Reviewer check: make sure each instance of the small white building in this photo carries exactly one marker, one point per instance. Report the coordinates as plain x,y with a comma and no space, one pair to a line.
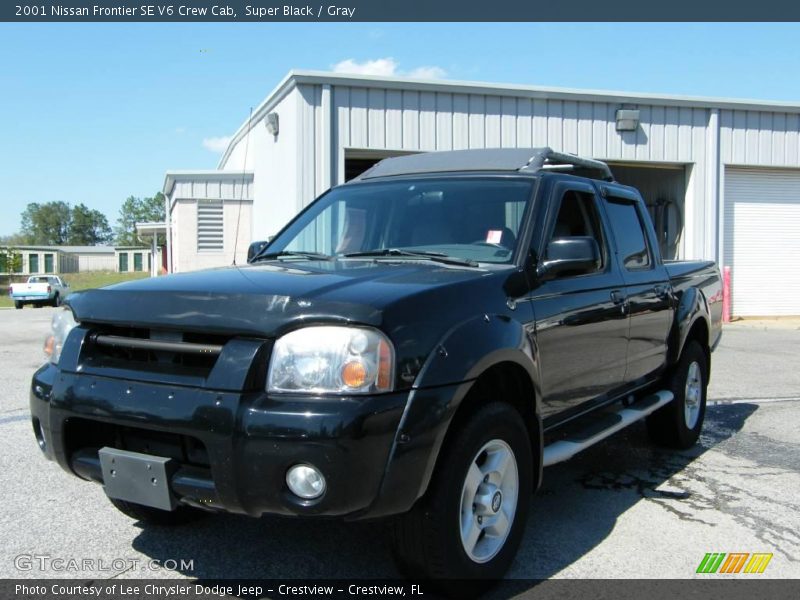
210,216
38,260
721,176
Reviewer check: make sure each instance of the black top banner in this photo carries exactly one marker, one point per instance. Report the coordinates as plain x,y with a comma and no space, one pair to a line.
401,10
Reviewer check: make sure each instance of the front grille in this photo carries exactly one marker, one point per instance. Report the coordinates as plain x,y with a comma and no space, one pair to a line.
81,434
187,353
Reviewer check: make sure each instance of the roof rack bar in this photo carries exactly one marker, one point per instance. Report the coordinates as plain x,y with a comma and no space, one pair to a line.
521,160
549,157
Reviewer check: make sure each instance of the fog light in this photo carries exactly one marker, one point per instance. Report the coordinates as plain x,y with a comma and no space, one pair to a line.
305,481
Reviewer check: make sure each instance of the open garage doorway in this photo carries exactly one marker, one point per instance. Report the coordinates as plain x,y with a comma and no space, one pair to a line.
663,188
357,161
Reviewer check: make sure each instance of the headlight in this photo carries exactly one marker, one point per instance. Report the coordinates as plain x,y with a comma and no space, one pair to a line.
63,322
332,359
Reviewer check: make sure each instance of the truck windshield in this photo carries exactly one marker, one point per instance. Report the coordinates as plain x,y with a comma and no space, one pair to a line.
471,219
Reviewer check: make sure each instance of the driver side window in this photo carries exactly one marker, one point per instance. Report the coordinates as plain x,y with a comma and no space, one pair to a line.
577,217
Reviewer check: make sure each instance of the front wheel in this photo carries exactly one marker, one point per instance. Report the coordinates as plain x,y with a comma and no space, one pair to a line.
678,424
470,522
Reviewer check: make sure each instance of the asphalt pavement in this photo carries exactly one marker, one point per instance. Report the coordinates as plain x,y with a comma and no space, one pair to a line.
622,509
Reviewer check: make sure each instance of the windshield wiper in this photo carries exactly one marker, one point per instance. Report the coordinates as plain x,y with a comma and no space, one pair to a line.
439,257
291,254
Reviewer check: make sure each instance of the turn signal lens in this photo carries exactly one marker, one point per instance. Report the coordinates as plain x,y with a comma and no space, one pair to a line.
384,366
49,344
63,322
354,374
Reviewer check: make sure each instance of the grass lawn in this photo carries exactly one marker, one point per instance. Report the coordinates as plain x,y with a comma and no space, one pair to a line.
86,281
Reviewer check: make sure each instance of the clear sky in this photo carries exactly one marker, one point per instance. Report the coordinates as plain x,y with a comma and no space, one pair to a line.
97,112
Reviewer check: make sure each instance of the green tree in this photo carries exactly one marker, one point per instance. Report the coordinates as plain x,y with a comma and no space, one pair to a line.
47,223
88,227
58,223
10,260
13,239
138,210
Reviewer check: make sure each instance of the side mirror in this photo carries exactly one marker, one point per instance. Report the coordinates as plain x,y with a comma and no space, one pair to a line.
255,248
579,254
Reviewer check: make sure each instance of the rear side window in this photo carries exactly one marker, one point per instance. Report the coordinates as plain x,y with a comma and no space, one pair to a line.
577,216
626,223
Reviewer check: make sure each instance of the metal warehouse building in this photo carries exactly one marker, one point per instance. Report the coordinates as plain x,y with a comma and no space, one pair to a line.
721,177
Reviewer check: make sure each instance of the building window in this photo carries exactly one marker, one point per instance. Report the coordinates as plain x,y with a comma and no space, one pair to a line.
33,263
48,263
137,261
209,225
123,262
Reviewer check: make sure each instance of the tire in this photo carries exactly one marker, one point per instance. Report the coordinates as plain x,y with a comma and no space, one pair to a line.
155,516
427,541
56,300
18,305
678,424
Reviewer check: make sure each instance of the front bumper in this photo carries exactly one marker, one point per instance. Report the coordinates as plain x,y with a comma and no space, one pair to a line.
234,448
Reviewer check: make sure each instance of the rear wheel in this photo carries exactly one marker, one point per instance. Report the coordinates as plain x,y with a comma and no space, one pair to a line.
470,522
57,300
155,516
678,424
18,305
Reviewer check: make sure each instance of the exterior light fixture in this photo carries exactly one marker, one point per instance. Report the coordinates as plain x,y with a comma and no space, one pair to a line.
271,123
627,119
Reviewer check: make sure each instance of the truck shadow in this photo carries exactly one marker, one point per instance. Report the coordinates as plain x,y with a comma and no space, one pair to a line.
576,509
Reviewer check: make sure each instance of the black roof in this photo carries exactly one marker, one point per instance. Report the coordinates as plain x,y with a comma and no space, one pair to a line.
521,160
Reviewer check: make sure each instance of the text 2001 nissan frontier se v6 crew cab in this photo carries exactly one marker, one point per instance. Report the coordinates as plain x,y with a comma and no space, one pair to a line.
417,344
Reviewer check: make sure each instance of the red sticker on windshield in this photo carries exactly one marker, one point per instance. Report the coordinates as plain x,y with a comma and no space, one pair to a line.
494,236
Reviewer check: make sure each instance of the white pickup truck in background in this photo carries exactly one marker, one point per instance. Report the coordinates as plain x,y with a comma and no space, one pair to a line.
39,290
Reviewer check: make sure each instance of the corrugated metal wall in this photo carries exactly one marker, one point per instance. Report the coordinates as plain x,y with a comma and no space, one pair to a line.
96,262
413,120
759,138
214,189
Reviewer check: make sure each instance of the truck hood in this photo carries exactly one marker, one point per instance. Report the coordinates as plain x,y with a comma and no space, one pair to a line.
268,298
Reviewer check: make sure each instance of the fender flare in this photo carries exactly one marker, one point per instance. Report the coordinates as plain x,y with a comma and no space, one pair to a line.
692,307
463,353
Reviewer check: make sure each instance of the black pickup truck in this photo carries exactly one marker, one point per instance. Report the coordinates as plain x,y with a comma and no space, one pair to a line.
416,344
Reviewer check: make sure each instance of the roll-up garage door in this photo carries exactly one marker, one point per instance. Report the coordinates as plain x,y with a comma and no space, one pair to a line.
762,240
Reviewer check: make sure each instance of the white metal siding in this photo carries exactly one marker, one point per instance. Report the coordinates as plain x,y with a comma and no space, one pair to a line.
762,240
760,138
223,188
96,262
411,120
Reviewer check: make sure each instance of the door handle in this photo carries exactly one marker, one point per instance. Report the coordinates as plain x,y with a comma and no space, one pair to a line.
617,297
621,300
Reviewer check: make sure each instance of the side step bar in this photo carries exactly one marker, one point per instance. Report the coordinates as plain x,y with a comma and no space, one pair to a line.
607,425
